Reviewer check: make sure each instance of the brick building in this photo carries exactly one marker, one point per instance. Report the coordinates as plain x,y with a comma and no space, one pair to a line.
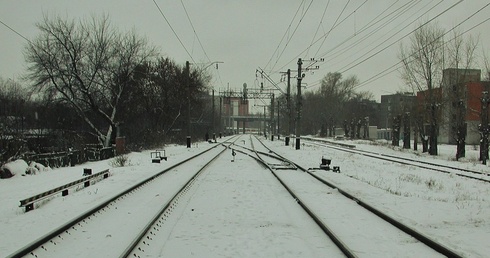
393,105
462,91
233,108
458,100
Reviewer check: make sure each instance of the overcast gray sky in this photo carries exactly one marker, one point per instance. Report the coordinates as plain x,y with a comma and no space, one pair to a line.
246,35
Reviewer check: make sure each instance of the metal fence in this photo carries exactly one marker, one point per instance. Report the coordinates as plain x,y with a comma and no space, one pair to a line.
72,158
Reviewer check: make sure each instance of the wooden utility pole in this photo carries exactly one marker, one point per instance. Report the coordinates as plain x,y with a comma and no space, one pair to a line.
278,118
213,124
298,106
484,130
220,118
188,79
273,124
288,103
310,67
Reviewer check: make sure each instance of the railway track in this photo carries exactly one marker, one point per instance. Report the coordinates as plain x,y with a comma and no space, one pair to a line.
182,211
237,208
147,221
359,229
103,231
462,172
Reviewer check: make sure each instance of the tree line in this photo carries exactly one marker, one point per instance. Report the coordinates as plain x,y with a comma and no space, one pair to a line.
442,101
431,51
87,80
334,103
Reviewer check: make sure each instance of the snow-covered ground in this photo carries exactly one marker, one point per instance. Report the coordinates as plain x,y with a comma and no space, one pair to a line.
454,210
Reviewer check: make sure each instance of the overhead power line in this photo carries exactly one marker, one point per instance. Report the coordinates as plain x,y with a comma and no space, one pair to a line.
333,26
396,41
175,33
285,33
16,32
194,30
387,19
394,14
324,35
320,24
199,40
294,32
394,67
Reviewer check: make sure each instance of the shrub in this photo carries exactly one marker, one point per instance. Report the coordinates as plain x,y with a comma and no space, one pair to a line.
120,161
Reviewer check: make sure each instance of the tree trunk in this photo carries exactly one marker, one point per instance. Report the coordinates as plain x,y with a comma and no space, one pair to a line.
406,131
396,131
433,131
415,138
108,136
461,142
433,140
425,143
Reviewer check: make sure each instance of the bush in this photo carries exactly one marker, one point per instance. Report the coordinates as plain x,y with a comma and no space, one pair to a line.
120,161
12,168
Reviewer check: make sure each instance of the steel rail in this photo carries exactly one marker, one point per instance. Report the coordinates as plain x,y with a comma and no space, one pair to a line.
396,157
403,162
50,235
131,248
408,230
337,241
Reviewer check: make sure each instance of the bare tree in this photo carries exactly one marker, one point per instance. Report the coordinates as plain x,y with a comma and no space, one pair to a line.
13,104
486,64
423,62
460,57
87,64
157,100
324,108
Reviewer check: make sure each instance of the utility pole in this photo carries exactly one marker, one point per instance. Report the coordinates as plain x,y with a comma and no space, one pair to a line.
298,107
220,118
288,104
265,126
484,130
212,119
278,118
188,79
273,124
299,98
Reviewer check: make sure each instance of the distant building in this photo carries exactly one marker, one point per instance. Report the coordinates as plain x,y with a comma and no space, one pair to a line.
462,90
453,76
470,94
233,109
423,109
393,105
458,100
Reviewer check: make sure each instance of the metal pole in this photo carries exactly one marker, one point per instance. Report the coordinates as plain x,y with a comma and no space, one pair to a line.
213,124
288,103
188,104
484,128
278,131
273,125
220,118
265,126
298,108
